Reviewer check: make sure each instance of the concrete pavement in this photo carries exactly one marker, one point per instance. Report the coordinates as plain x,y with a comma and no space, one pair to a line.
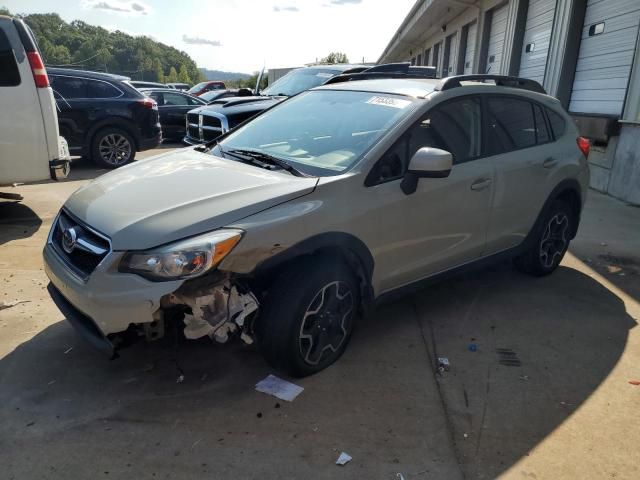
545,394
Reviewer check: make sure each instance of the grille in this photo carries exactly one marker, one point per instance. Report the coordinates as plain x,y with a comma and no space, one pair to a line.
193,132
214,122
90,249
192,118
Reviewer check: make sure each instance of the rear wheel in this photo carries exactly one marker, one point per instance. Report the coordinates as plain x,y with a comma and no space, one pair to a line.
550,243
308,316
112,147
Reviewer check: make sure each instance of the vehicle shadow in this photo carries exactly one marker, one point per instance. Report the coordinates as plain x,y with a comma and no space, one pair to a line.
566,333
17,221
525,353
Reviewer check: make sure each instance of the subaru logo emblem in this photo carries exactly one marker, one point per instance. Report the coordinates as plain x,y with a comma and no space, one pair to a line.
69,239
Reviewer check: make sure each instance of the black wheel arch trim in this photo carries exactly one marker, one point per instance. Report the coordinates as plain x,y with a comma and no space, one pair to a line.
349,246
567,186
113,122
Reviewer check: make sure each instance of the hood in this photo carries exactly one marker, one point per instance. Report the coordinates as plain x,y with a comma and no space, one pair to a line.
233,101
178,195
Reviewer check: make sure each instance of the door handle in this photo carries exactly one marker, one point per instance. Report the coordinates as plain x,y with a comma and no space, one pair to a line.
481,184
549,162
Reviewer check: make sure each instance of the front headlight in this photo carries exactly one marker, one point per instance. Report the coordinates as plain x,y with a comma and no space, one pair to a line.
184,259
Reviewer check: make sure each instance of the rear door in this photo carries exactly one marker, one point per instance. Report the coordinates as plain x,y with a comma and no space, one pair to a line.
442,224
520,144
173,112
24,155
74,108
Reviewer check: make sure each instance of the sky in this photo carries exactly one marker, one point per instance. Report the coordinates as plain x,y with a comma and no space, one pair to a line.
243,35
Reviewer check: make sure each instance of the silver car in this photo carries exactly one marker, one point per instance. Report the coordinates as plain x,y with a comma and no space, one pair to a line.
287,228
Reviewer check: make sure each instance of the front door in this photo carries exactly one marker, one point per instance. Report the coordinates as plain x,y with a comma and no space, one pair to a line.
444,223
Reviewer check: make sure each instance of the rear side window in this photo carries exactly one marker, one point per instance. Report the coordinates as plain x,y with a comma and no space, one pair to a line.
175,99
542,133
68,87
558,125
510,125
96,89
9,73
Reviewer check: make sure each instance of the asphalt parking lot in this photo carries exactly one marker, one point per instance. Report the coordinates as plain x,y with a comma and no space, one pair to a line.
538,385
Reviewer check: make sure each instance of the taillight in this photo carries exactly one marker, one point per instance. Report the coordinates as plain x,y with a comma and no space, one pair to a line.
38,70
584,145
148,103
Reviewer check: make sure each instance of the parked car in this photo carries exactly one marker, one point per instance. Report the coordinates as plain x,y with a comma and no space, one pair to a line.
213,95
179,86
173,106
141,84
228,112
103,117
203,87
286,229
31,148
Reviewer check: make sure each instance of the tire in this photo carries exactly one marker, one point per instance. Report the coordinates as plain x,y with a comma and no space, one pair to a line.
550,241
308,316
112,147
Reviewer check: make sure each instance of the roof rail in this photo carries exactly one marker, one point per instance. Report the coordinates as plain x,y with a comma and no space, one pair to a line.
387,70
501,80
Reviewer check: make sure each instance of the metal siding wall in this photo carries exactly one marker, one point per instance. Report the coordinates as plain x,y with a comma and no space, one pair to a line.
537,31
604,60
470,49
496,39
452,55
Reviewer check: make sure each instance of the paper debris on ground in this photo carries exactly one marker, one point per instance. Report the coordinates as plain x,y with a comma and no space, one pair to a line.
279,388
343,459
399,476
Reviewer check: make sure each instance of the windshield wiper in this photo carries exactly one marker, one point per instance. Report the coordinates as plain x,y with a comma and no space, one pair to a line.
266,159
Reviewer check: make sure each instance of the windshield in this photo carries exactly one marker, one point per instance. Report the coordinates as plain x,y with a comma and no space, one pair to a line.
299,80
321,132
197,87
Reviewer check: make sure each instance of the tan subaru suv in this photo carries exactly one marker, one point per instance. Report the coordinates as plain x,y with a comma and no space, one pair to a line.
286,229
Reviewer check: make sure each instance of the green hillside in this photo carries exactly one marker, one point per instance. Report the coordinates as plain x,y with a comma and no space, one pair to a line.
80,45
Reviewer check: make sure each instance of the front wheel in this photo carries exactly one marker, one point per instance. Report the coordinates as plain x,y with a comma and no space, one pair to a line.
550,241
308,316
112,148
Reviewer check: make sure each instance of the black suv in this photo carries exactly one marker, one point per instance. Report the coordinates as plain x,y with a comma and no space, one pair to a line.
103,117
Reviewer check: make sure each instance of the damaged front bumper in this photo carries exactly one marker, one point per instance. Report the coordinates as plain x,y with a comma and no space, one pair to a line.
109,303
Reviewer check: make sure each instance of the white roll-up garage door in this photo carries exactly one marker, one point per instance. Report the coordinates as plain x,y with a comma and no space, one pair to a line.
470,49
449,62
605,56
496,39
537,36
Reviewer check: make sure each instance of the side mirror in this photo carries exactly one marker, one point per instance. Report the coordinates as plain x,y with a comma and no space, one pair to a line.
426,163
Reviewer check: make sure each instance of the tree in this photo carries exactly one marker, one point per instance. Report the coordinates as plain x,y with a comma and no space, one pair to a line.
173,76
183,75
335,57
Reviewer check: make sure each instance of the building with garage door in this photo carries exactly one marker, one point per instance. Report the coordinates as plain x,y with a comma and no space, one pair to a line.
584,52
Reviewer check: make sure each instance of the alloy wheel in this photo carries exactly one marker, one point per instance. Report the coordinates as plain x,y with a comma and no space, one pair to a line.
115,149
326,323
554,240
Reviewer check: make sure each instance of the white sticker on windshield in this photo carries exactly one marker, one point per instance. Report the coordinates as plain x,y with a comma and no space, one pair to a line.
389,102
324,75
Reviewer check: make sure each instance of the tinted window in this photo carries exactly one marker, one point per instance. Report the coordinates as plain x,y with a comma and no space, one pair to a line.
454,127
558,124
542,133
510,125
156,96
68,87
9,74
96,89
175,99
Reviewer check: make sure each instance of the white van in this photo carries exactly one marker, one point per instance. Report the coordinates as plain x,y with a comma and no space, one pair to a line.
31,148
